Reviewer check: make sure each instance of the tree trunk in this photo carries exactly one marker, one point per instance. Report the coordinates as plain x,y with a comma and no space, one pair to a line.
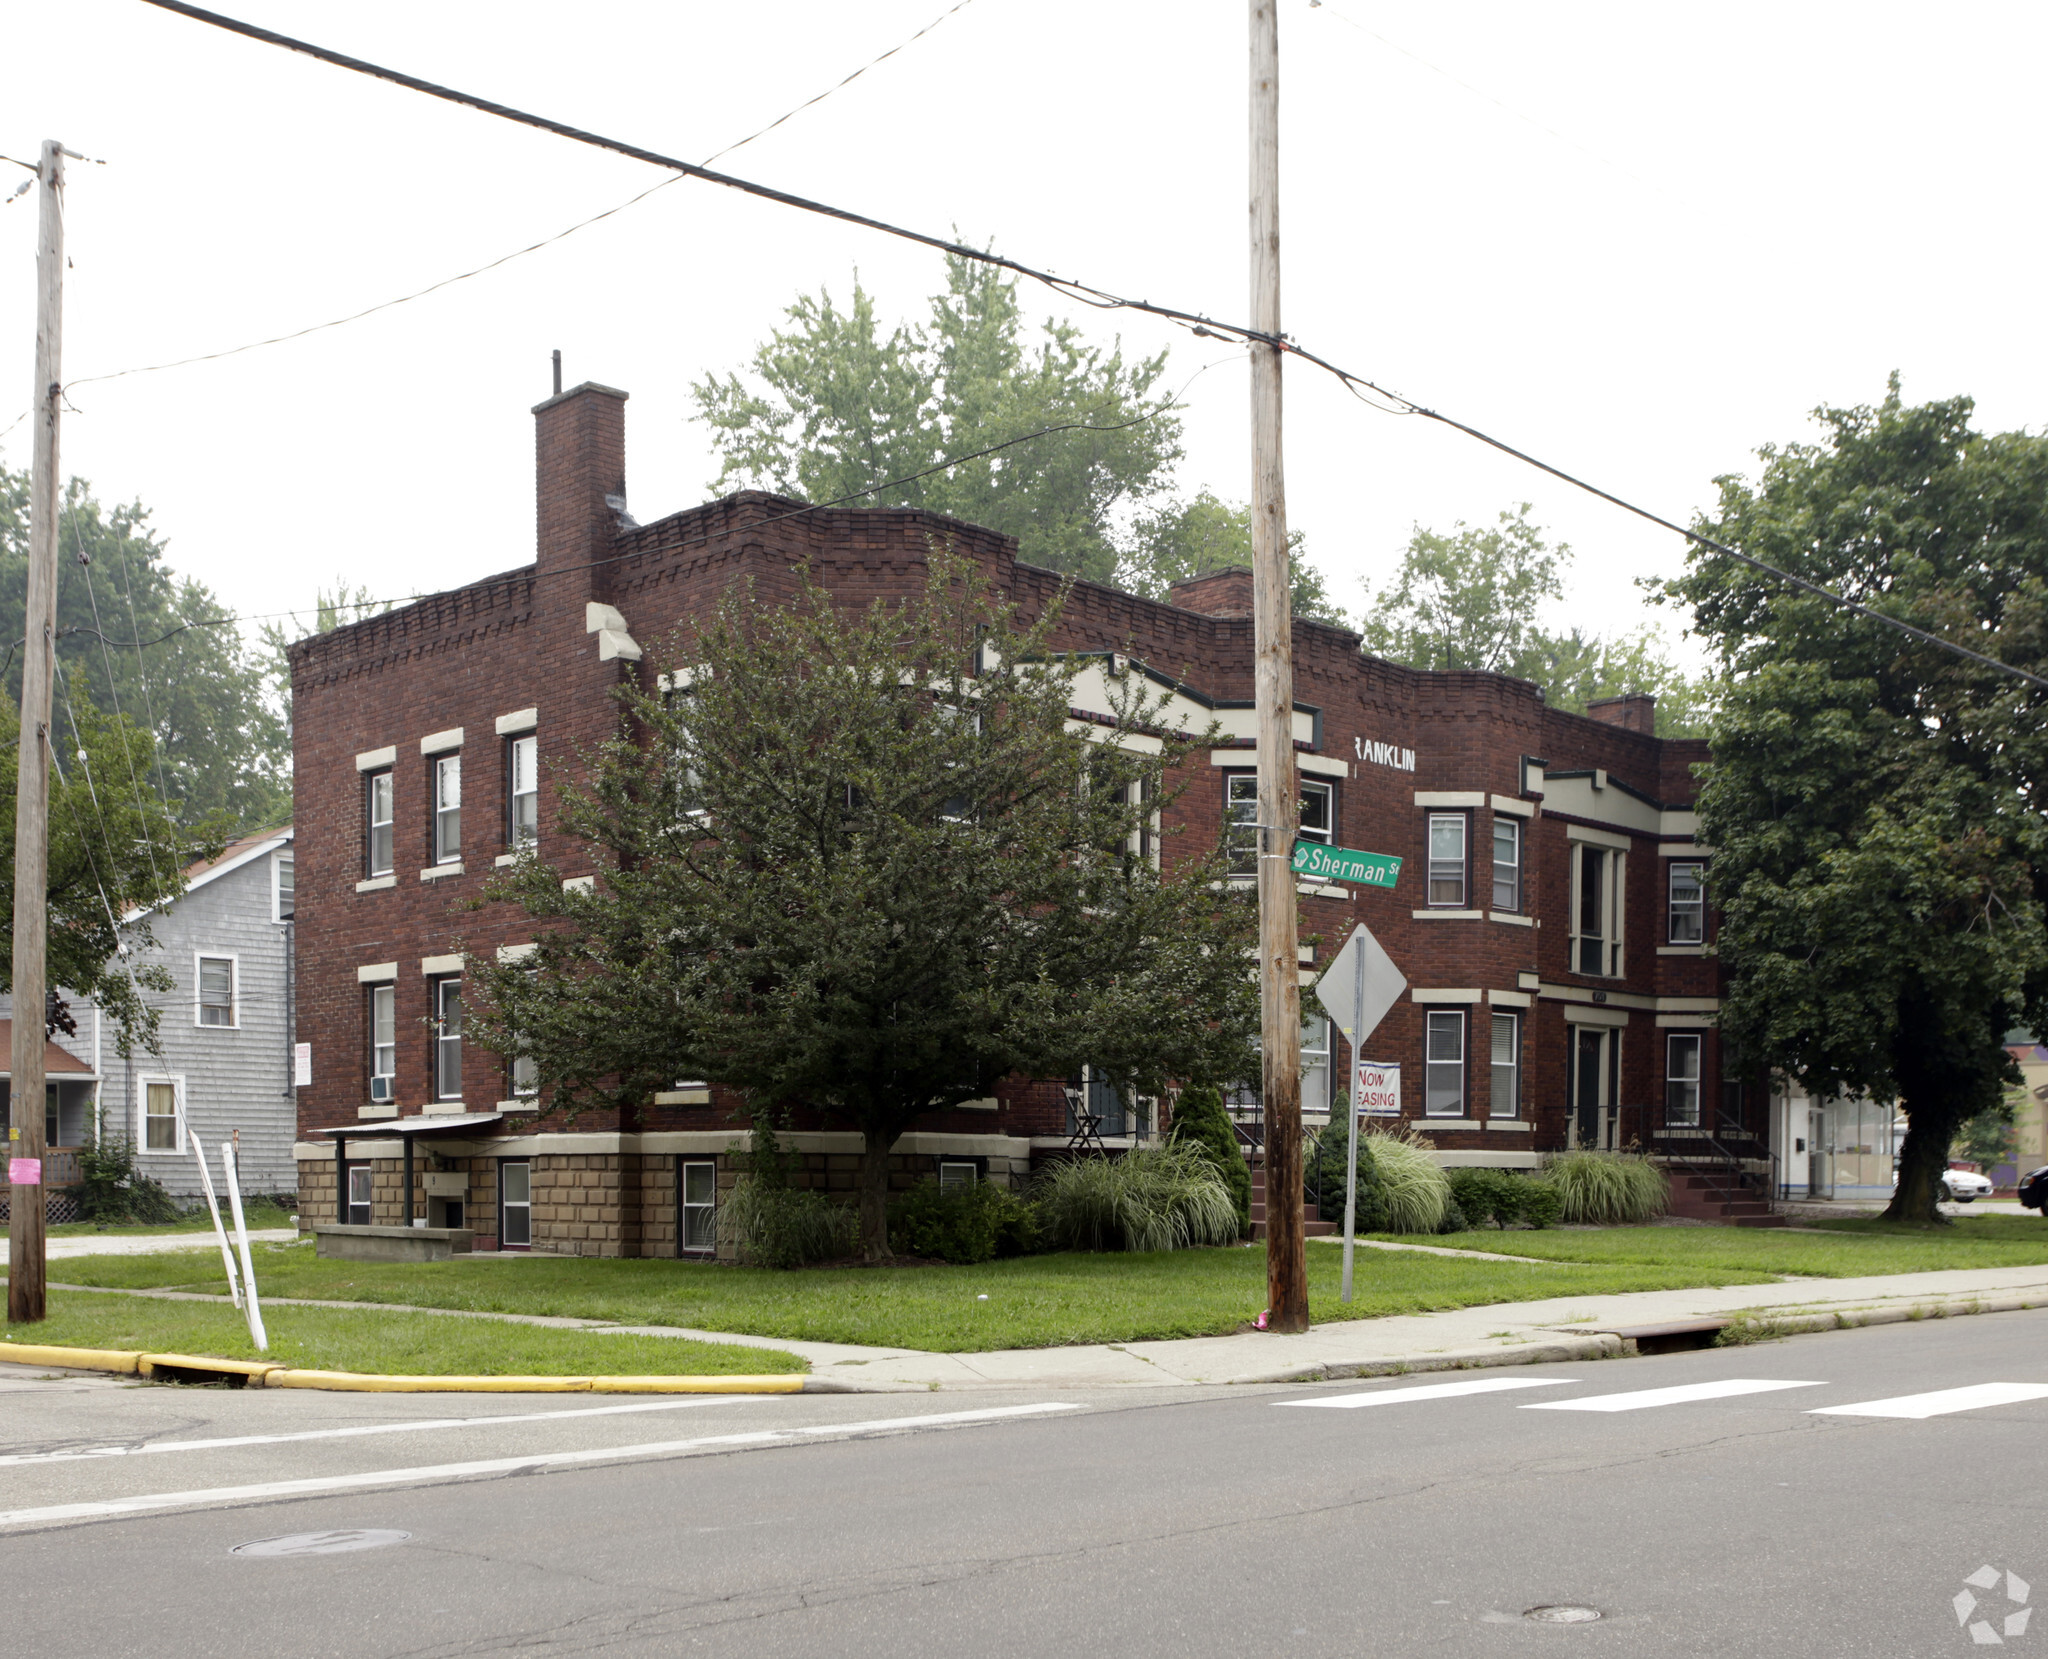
1922,1158
874,1196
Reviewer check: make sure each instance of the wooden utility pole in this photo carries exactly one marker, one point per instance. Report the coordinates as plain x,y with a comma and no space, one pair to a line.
1273,688
25,1148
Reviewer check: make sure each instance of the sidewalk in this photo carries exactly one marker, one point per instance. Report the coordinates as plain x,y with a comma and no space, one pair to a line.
142,1244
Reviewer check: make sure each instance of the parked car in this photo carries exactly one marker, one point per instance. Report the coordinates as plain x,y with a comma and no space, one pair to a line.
1965,1186
2033,1189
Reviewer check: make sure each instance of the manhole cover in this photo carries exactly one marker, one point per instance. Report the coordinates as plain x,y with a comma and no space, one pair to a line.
1562,1614
322,1543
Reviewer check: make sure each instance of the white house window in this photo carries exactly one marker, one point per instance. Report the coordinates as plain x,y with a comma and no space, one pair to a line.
1318,813
1688,904
1682,1080
217,990
1597,897
1447,860
1444,1065
957,1176
1241,820
1315,1063
1507,862
160,1116
700,1207
515,1205
361,1182
447,1039
383,1043
377,851
524,790
447,808
281,887
1507,1067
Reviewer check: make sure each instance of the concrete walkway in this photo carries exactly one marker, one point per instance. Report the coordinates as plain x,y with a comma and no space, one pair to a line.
143,1244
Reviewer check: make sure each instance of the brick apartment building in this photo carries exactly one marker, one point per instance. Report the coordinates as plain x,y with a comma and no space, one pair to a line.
1548,913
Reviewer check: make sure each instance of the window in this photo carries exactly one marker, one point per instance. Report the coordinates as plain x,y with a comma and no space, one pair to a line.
447,808
1241,821
377,815
447,1039
1688,904
52,1118
160,1117
1507,862
281,887
1443,1094
1318,813
957,1177
1507,1067
954,721
515,1205
523,790
1447,859
383,1023
1682,1080
1315,1063
360,1184
525,1076
699,1207
217,990
1597,880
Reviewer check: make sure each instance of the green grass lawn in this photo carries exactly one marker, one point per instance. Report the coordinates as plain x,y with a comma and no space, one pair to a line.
1837,1250
259,1215
343,1339
1037,1301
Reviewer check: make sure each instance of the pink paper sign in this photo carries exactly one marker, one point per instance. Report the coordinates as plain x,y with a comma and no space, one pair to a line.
25,1172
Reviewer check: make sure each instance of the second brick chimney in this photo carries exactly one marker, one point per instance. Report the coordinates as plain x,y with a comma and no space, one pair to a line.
580,461
1636,712
1226,592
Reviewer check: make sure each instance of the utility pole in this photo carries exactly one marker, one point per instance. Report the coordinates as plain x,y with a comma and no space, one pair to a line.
25,1148
1273,689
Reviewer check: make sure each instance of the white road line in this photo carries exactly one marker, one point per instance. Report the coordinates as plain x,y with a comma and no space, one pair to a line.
487,1466
416,1426
1429,1391
1644,1398
1974,1398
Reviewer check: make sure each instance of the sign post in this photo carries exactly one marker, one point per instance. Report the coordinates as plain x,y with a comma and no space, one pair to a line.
1356,990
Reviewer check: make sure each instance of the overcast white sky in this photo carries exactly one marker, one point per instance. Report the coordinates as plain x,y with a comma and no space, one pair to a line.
1686,229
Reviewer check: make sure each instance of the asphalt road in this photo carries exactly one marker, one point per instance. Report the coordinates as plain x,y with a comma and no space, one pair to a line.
1715,1503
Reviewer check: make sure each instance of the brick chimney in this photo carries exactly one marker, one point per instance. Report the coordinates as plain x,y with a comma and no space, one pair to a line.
1226,592
580,459
1636,712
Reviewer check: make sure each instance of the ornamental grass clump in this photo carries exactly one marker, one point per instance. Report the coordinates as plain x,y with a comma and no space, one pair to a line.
1164,1197
770,1225
1607,1189
1413,1191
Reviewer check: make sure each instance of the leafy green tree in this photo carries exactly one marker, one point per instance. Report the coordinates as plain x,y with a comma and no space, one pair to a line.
1575,671
220,744
1199,1119
114,849
333,608
1882,860
833,406
1180,539
862,864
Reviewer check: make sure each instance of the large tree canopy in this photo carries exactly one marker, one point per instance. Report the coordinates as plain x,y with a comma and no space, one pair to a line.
866,863
1473,599
1881,860
220,743
1180,539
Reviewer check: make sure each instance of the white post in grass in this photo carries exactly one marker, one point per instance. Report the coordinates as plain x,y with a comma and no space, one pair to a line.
256,1332
227,1254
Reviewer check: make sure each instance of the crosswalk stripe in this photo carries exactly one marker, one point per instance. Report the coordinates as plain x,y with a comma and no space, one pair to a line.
1940,1403
1430,1391
1644,1398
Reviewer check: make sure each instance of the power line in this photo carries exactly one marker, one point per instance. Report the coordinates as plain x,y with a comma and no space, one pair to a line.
1074,289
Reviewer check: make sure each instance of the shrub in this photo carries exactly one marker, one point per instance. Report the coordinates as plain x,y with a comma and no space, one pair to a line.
777,1226
972,1224
1607,1189
1414,1190
1322,1173
1453,1220
1200,1120
1541,1203
1503,1197
109,1190
1164,1197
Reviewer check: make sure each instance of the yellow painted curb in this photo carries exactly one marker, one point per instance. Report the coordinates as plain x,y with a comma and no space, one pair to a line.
254,1369
364,1383
75,1359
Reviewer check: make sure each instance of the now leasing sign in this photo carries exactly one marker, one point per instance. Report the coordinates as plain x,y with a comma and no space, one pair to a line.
1379,1089
1312,858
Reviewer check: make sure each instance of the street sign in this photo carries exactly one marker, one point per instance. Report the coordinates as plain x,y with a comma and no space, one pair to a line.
1338,989
1312,858
1378,1092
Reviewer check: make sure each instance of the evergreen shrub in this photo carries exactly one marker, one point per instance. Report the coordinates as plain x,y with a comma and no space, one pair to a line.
1199,1119
969,1225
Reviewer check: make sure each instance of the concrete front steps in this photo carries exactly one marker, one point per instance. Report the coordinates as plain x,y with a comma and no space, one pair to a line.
1313,1225
1716,1199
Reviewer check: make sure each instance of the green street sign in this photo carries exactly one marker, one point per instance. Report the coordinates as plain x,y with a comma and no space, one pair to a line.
1312,858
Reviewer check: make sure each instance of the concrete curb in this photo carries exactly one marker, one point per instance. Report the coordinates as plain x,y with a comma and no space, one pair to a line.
1762,1326
1598,1345
268,1374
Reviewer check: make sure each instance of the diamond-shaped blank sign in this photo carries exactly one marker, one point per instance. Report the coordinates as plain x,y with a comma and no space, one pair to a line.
1361,959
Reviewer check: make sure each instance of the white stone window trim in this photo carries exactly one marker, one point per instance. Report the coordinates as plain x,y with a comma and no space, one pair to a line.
439,743
434,872
521,724
376,760
377,973
1448,915
376,884
1511,806
1466,998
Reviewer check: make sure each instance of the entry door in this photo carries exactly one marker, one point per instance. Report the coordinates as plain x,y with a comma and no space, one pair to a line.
1819,1175
1592,1119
